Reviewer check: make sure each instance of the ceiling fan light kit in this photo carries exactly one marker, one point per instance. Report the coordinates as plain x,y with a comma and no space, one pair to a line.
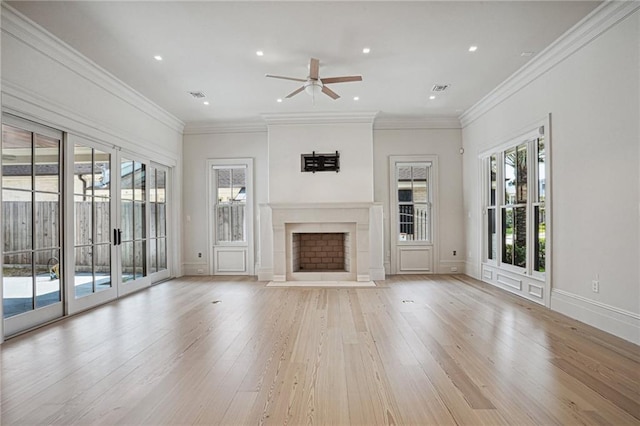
313,84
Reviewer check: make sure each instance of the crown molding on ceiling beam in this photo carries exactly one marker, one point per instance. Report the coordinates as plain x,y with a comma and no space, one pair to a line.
416,123
17,25
218,127
588,29
320,118
379,122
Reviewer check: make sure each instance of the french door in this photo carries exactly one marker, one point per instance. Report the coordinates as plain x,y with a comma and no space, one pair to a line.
82,222
109,254
31,227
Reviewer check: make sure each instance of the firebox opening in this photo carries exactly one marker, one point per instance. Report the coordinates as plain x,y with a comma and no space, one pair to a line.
320,252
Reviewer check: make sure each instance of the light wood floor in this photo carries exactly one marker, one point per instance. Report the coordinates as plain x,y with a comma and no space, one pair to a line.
415,350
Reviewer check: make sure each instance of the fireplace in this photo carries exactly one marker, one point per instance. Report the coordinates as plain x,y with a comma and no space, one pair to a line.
284,226
320,252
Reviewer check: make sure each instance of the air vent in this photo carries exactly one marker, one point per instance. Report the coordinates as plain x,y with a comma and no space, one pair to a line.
440,87
197,95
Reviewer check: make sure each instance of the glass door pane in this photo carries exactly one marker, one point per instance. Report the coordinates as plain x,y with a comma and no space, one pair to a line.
31,197
157,219
133,224
92,220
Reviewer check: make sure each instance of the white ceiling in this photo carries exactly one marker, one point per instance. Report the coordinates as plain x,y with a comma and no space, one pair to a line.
210,46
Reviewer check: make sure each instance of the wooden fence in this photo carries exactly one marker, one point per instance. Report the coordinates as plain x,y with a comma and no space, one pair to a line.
19,238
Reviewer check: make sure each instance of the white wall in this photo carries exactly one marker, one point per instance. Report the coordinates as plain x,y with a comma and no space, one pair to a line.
593,98
198,148
354,182
445,144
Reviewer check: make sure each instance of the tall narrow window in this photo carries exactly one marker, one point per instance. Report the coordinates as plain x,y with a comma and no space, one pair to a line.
231,204
414,201
539,216
492,188
514,207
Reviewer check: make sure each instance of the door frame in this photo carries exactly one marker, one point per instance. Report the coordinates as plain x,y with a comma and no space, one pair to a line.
429,248
248,246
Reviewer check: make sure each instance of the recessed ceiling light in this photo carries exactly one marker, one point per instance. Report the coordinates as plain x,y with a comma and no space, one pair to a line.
279,100
356,98
527,54
157,58
473,48
260,53
366,50
432,97
206,102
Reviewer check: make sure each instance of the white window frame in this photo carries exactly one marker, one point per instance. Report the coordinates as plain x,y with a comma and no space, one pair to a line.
530,136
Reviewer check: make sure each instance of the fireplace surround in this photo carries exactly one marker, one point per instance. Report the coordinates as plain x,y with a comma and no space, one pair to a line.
361,221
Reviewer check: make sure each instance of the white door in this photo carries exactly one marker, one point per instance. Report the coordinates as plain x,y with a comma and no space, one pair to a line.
231,219
158,177
31,230
413,214
90,236
132,224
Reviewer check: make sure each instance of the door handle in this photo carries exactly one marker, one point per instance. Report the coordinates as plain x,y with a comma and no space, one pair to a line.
117,236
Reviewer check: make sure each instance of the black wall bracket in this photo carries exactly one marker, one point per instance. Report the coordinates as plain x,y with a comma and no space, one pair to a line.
316,162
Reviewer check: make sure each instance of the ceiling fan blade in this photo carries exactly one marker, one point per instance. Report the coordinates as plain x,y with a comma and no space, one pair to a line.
330,92
343,79
314,68
295,92
285,78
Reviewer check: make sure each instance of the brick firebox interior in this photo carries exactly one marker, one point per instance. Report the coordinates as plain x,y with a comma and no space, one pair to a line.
320,252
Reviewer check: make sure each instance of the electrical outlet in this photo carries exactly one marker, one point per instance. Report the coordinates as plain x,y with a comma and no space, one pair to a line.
595,286
200,271
455,252
199,254
454,269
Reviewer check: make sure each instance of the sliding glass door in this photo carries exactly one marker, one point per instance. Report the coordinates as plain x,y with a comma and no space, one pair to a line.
90,239
82,224
31,229
132,226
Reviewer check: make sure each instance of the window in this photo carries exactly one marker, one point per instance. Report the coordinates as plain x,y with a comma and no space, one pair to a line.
231,204
539,217
414,201
491,208
520,226
514,207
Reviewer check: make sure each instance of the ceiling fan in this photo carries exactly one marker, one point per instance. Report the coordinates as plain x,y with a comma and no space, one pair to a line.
314,84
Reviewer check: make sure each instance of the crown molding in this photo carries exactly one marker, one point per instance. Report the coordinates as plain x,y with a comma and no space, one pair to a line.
416,123
27,104
588,29
320,118
16,25
217,127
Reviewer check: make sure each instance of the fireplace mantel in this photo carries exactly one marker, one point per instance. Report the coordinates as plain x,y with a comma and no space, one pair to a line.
364,218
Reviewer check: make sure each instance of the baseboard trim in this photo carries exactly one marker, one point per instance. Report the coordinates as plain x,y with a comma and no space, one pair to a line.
377,274
195,268
616,321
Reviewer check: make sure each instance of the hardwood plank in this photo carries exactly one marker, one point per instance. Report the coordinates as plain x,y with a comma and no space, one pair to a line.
414,350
